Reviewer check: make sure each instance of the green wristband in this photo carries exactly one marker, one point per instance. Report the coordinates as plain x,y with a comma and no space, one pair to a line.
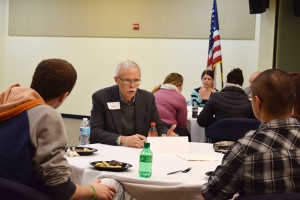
94,197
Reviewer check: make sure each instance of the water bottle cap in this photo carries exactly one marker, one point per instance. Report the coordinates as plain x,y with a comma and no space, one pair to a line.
146,144
153,124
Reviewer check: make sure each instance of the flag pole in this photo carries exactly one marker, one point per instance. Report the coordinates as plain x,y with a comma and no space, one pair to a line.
221,69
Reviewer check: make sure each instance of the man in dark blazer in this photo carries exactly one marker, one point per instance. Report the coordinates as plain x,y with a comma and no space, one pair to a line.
121,114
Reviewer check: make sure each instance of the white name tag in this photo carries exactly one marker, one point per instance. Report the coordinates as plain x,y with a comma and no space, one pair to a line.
113,105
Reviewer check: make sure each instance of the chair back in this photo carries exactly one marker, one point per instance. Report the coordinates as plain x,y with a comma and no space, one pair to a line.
273,196
230,129
14,190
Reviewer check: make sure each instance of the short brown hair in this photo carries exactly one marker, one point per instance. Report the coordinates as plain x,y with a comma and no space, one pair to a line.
53,77
275,89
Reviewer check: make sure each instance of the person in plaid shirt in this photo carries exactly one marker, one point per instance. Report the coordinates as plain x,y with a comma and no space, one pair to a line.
267,160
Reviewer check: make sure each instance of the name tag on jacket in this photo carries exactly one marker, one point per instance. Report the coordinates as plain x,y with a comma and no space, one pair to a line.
113,105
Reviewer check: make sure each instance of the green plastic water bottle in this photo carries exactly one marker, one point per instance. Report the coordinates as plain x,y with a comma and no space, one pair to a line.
145,168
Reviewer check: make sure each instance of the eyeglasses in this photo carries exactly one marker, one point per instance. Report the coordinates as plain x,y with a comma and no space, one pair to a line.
128,82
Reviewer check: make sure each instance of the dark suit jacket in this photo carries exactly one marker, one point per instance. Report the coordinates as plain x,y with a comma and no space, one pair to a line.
106,124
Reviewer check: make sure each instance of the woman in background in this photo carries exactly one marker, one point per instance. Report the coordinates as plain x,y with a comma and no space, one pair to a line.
200,95
171,105
230,102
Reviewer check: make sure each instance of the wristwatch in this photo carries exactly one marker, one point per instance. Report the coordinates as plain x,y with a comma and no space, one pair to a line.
118,140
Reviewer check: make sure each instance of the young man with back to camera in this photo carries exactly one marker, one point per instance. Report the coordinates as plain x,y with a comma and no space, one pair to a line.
28,121
267,160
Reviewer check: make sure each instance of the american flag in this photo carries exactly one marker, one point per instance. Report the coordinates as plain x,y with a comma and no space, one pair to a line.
214,50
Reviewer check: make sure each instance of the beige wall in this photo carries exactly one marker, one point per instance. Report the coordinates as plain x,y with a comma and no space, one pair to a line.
2,41
115,18
72,127
95,60
266,40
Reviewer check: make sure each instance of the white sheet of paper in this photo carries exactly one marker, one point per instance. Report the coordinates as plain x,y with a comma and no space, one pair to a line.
197,157
168,144
113,105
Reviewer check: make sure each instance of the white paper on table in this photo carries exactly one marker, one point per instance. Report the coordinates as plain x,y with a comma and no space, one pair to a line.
169,144
197,157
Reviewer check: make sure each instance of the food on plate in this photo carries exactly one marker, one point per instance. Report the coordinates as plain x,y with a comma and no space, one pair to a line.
71,153
224,145
83,150
109,164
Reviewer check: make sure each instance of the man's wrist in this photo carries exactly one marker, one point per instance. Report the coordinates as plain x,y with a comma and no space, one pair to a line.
95,194
118,140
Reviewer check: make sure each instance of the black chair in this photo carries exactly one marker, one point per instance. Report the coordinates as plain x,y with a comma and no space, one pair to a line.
14,190
230,129
273,196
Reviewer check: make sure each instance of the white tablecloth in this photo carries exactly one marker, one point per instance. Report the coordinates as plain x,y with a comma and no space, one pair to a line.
159,186
197,132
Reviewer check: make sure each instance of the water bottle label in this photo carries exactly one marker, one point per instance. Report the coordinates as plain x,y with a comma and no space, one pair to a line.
195,110
147,159
85,130
152,134
84,137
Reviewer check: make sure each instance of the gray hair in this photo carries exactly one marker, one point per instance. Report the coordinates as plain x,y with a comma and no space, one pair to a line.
124,65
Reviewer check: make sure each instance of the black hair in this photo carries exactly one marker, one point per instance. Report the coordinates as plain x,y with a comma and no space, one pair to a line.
235,76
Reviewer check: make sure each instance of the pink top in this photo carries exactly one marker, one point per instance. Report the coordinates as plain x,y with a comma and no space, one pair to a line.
171,107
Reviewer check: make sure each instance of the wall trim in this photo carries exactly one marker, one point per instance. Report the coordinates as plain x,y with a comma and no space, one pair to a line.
71,116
